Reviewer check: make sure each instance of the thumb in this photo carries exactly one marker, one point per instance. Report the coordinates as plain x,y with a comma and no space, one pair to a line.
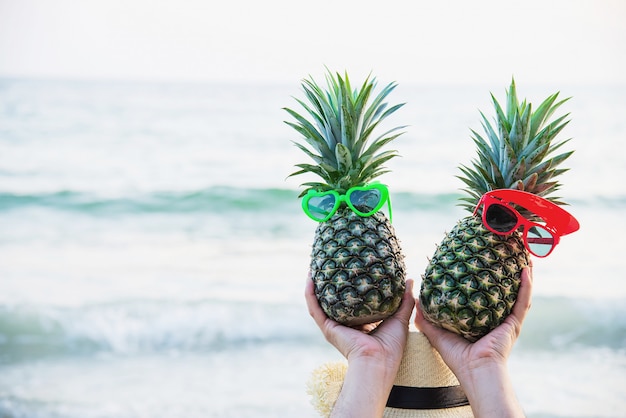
407,304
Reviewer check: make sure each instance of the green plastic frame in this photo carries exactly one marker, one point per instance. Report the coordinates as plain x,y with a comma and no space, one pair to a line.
345,198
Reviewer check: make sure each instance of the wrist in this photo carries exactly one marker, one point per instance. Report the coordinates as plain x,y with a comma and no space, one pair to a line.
365,389
489,389
375,368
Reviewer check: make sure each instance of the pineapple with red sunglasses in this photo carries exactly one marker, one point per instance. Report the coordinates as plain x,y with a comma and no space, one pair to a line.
472,280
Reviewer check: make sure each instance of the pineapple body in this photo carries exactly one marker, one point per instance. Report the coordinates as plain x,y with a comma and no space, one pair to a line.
358,268
472,280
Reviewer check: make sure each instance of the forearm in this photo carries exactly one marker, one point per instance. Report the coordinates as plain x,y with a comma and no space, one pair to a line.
365,389
490,392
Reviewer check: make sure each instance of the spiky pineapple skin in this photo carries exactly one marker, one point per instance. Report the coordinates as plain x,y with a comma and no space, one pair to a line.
358,268
472,280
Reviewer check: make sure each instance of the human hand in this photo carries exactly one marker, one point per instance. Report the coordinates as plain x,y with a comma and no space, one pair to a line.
384,339
459,354
481,366
373,352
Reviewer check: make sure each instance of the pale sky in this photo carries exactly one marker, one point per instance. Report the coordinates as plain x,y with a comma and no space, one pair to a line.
451,41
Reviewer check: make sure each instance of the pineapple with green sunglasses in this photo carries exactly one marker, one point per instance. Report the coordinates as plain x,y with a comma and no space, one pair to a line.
357,264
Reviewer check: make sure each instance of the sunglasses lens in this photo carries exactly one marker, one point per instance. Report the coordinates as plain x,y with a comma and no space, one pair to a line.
366,201
320,207
540,241
500,218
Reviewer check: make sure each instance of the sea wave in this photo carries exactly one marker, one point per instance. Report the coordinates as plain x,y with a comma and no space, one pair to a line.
155,326
223,198
561,323
214,199
146,326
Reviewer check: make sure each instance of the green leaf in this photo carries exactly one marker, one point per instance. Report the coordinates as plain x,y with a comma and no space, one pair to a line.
512,102
309,133
530,182
344,158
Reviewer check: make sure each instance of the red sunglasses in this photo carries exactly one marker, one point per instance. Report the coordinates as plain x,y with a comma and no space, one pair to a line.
501,218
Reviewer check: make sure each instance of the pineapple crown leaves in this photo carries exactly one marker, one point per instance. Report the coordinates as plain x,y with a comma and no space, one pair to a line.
338,132
519,153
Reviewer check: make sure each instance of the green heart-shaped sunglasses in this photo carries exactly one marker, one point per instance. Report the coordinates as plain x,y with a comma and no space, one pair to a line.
363,200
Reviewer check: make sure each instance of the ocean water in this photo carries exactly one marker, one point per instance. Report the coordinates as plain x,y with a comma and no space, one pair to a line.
153,253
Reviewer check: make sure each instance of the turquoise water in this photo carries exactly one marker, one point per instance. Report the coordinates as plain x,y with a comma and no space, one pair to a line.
153,253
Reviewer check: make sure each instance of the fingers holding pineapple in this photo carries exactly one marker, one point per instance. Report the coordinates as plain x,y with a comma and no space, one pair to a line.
461,354
522,304
384,338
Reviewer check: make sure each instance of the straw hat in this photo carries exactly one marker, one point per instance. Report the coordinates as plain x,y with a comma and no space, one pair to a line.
424,386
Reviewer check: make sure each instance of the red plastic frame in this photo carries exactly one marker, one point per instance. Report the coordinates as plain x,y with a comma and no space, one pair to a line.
557,220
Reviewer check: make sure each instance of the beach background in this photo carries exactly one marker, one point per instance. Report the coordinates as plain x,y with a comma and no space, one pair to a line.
153,252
